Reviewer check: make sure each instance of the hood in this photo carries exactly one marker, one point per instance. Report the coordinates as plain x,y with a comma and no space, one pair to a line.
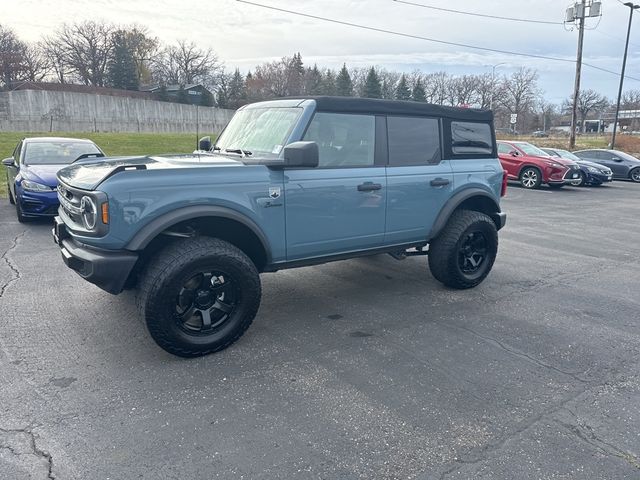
88,174
563,161
587,163
43,174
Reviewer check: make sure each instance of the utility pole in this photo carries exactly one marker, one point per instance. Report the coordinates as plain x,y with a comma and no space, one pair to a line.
579,13
632,7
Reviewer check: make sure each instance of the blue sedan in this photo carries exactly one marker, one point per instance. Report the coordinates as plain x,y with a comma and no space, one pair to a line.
31,172
591,173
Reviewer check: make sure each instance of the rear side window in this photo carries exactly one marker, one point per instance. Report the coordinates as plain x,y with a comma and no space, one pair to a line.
469,138
413,141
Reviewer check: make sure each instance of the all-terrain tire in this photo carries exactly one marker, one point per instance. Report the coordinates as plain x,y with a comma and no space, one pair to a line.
164,278
449,253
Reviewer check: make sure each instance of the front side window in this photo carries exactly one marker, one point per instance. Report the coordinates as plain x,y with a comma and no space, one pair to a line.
469,138
57,153
413,141
504,148
344,140
262,131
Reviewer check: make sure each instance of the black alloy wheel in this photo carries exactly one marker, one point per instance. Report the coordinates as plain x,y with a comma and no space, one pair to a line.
472,252
206,302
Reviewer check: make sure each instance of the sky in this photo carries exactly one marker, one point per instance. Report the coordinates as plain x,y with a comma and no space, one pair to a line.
243,35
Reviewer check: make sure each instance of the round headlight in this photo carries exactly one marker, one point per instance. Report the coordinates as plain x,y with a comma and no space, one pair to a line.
89,212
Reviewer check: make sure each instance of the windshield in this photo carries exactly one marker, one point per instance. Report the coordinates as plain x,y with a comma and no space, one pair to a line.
57,153
531,150
259,130
568,155
626,156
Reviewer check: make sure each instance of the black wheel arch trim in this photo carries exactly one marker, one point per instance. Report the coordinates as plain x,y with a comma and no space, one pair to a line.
150,231
456,200
530,165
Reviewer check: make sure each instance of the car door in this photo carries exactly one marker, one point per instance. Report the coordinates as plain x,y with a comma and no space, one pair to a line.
339,206
419,181
616,163
509,162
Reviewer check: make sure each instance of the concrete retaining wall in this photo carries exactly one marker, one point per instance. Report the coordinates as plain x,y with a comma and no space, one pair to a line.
50,111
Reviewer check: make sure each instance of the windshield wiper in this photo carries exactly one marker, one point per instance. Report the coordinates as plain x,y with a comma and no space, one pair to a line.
244,153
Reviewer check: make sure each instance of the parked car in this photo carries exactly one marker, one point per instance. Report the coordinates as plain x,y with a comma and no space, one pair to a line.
622,164
590,173
31,172
532,166
540,134
288,183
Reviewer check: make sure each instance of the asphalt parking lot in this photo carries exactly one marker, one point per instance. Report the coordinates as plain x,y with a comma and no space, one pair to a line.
367,368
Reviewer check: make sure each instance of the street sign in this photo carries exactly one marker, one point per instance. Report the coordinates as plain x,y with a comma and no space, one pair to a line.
514,118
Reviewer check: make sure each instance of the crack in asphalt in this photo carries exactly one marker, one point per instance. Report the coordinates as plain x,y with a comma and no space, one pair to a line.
14,270
35,450
520,354
586,433
484,453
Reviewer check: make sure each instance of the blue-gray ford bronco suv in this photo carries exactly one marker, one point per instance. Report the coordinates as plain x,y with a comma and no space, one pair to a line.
288,183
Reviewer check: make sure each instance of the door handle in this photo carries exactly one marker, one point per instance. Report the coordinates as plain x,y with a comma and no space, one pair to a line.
369,187
439,182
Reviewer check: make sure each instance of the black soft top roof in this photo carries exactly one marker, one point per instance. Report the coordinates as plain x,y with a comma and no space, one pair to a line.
398,107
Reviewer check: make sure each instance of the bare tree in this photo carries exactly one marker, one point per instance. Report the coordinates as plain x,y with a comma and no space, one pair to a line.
520,92
12,57
36,65
85,48
588,101
464,90
630,100
185,63
54,53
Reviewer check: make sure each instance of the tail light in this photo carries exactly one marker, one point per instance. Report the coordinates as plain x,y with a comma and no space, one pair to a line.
503,190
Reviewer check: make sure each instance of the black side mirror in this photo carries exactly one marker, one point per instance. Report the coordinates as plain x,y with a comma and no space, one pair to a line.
514,153
9,162
301,154
204,144
616,159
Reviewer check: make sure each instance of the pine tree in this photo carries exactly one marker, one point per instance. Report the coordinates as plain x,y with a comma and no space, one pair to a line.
295,75
418,94
313,81
121,69
402,89
344,84
237,90
328,83
372,86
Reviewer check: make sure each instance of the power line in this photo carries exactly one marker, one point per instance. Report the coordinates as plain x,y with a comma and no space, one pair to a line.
497,17
427,39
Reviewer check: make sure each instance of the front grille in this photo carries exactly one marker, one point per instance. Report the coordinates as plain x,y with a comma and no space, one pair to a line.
571,172
70,203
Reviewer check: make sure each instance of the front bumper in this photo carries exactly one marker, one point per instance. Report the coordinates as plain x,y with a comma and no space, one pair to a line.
38,204
598,178
108,269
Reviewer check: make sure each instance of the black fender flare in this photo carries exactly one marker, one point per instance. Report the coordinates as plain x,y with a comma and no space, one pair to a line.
151,230
454,202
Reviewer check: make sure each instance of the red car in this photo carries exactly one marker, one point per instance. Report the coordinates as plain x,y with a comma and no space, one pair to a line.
531,166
